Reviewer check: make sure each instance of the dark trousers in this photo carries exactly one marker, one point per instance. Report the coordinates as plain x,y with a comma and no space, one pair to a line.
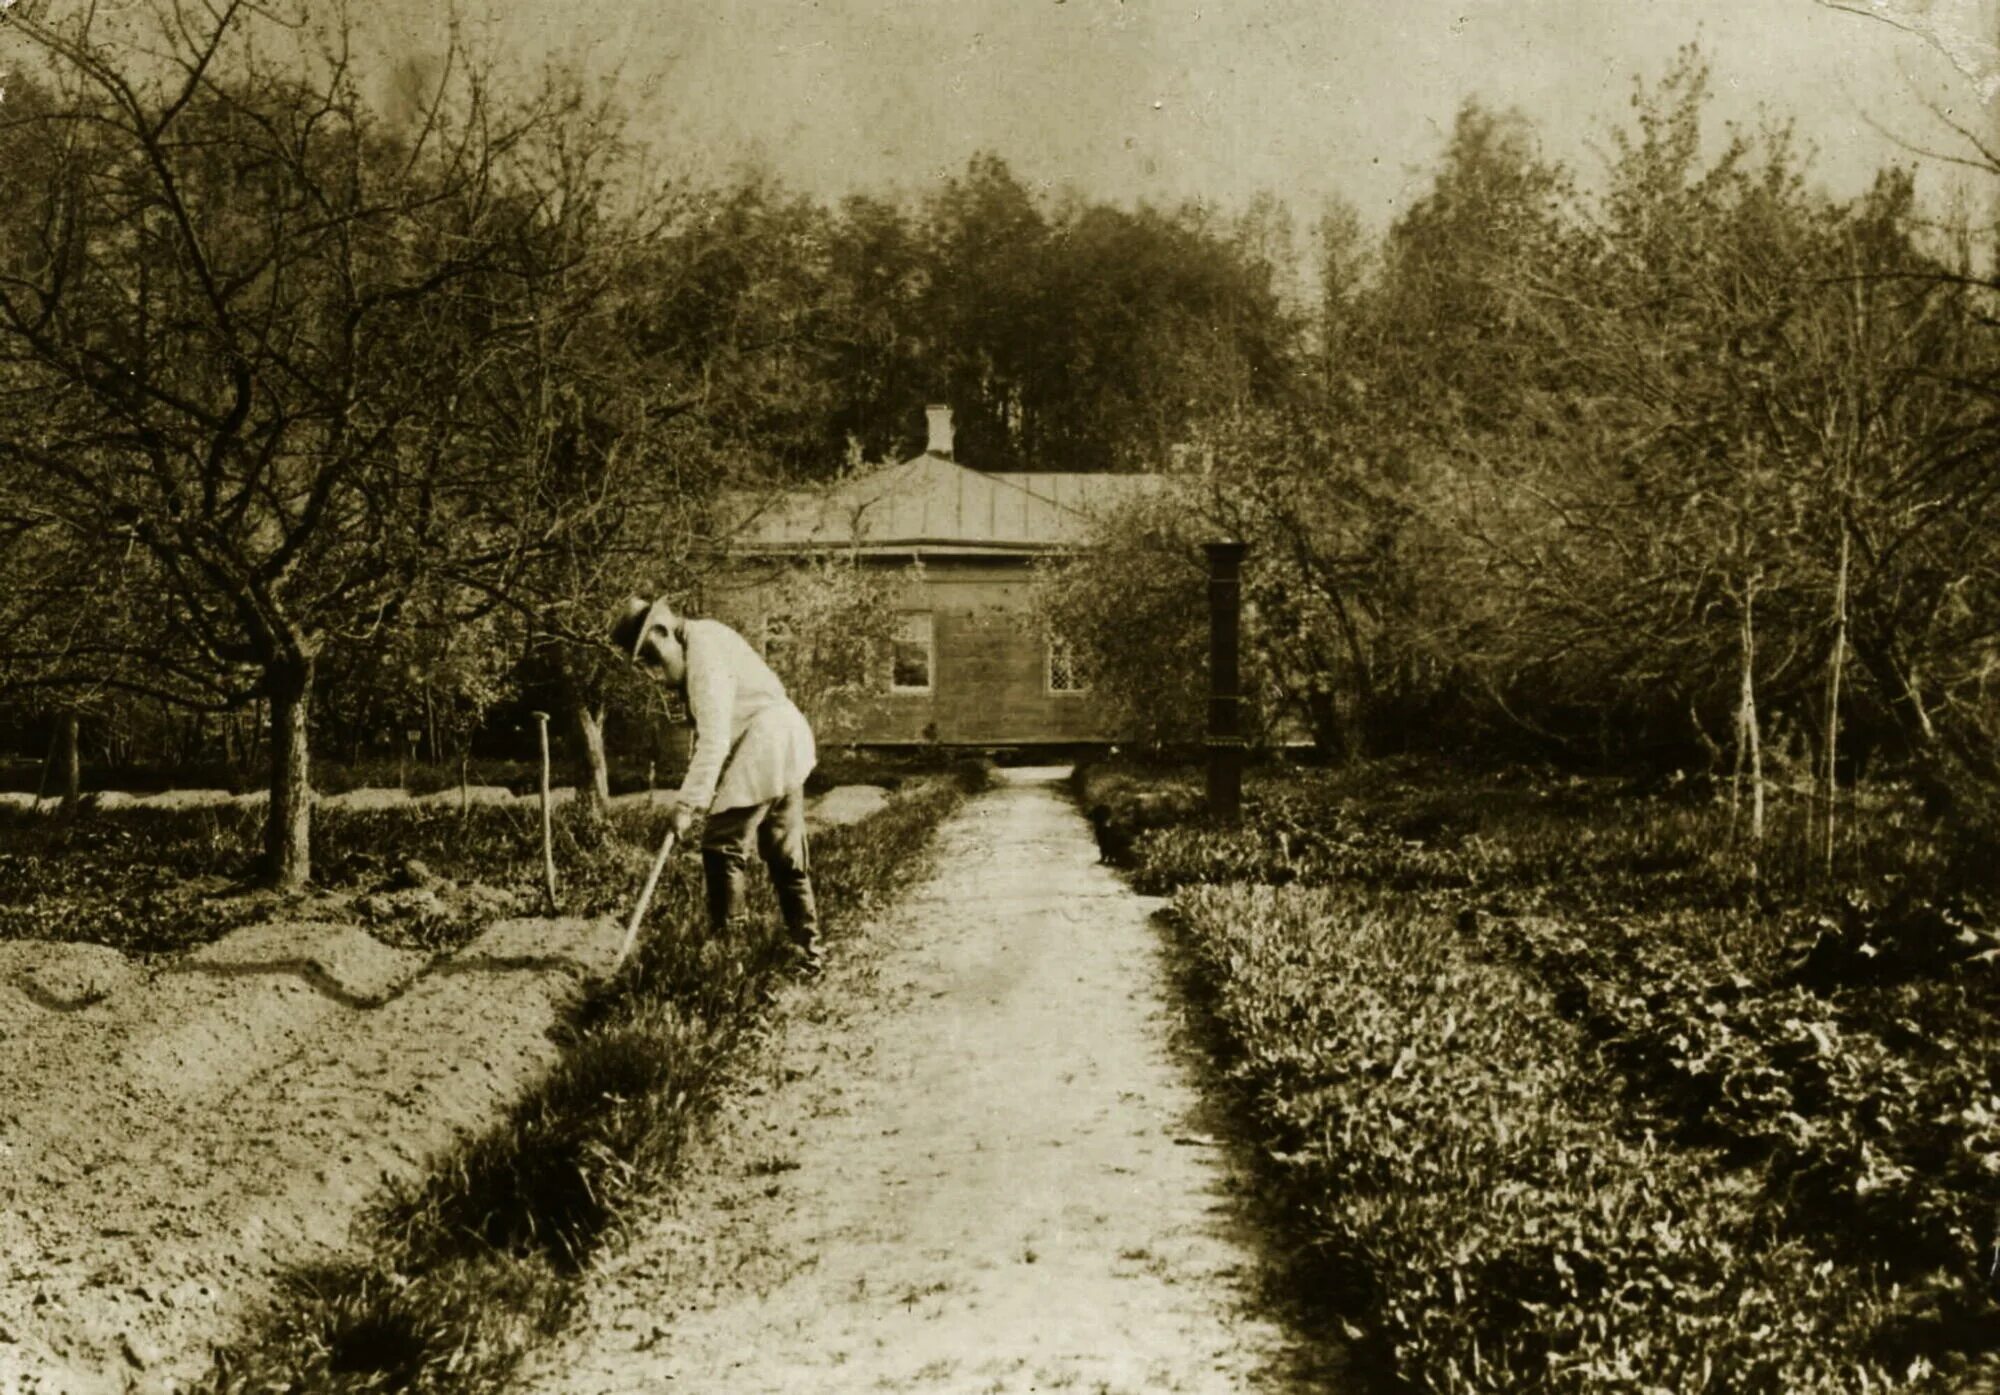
778,833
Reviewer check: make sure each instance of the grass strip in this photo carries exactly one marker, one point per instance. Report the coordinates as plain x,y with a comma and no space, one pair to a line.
474,1266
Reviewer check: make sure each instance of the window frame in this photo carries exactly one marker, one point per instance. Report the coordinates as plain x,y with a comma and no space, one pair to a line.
1051,645
905,620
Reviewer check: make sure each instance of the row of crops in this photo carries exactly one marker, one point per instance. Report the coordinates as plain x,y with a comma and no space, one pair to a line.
1566,1092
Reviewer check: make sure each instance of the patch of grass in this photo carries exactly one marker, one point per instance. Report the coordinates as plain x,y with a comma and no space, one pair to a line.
579,1149
471,1268
458,1325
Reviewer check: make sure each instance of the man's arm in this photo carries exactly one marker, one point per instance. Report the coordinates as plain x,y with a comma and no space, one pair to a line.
711,695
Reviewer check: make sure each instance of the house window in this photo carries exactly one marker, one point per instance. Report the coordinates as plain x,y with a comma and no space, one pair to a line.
912,657
1065,667
777,640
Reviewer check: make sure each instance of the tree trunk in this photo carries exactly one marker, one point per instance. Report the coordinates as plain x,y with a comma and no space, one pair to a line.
1833,675
1749,747
1331,736
288,825
72,761
597,788
1931,767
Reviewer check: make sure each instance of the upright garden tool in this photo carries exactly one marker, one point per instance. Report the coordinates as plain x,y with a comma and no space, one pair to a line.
548,824
645,899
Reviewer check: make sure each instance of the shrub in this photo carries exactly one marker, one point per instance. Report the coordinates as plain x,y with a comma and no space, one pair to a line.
1876,1152
975,774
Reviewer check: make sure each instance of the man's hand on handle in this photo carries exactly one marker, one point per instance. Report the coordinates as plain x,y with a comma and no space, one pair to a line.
682,817
678,820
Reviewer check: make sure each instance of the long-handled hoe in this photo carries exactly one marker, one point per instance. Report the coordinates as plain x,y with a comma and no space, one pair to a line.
645,899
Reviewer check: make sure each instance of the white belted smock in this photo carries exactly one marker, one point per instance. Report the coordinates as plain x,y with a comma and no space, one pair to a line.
751,743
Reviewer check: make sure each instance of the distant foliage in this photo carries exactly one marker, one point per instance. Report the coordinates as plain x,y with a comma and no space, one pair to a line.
1684,465
826,628
1134,610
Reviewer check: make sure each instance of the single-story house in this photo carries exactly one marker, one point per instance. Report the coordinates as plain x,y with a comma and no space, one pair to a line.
971,664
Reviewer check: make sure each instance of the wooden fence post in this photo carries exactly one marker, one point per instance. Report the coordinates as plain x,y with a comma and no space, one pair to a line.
1225,691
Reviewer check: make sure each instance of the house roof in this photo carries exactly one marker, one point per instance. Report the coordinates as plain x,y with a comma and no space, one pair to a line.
934,506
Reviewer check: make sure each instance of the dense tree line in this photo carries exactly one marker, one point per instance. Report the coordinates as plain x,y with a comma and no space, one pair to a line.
328,416
342,413
1691,465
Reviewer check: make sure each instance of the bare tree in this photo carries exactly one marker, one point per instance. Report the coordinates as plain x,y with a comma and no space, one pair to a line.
235,335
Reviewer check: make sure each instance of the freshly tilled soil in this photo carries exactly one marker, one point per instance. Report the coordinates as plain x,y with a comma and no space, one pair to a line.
169,1149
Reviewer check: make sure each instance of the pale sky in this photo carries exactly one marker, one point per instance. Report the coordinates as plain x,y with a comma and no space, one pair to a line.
1217,99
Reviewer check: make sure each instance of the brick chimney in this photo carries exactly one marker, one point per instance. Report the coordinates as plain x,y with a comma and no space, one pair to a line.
940,425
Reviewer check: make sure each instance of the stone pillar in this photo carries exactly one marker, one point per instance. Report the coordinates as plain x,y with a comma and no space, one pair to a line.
1225,689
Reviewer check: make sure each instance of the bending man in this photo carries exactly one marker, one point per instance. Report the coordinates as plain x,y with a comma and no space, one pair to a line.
752,753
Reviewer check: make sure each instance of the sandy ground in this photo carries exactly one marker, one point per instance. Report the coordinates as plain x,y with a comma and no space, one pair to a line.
972,1159
845,804
174,1135
168,1147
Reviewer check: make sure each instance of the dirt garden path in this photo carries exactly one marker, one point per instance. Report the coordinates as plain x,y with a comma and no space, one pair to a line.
972,1159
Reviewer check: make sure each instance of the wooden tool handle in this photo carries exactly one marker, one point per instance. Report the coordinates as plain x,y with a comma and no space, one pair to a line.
645,899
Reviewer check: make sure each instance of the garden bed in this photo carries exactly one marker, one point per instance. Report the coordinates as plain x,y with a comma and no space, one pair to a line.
181,1143
1436,988
189,1123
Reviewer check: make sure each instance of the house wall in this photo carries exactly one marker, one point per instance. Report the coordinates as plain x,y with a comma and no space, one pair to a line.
989,680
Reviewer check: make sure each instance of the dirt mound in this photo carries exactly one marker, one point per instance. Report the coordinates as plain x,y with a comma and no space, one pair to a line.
365,799
845,804
175,1146
64,977
470,794
341,961
185,799
81,1084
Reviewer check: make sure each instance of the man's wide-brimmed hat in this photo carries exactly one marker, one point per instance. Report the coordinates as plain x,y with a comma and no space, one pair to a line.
639,619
